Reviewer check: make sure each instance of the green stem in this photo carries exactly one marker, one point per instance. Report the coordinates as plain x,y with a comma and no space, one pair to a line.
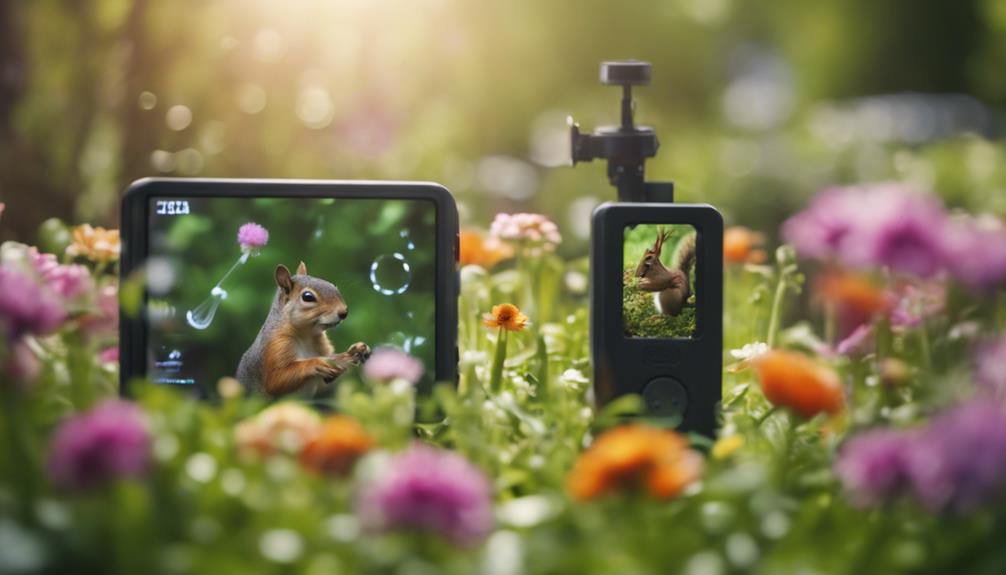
927,356
773,321
761,419
496,379
22,459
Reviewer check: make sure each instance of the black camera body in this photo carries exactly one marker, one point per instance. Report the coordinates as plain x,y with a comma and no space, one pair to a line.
679,378
656,326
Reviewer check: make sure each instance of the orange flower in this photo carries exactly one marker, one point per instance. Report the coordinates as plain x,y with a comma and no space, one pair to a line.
482,252
337,446
793,380
741,245
506,316
96,244
635,457
856,299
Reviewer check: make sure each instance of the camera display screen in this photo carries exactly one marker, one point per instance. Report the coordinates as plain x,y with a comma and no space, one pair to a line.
368,275
659,299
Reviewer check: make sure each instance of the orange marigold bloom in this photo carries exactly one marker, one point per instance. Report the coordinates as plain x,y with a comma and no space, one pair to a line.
474,249
794,380
96,244
336,447
742,245
506,316
855,292
635,457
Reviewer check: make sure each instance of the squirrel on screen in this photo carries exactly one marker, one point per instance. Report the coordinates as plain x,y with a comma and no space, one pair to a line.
292,352
671,286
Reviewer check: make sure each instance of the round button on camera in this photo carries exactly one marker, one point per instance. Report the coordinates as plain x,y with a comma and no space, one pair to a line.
665,397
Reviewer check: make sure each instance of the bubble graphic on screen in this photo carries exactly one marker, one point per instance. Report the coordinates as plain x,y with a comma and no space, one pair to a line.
409,245
390,274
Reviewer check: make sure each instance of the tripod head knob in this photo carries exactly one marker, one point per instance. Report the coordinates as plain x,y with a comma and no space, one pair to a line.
625,73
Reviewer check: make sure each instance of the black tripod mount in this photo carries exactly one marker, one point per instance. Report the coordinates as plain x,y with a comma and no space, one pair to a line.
626,146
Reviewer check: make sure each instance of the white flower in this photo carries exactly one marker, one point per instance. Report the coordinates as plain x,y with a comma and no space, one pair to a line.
749,351
573,379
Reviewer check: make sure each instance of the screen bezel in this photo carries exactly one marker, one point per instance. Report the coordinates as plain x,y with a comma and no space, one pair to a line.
135,232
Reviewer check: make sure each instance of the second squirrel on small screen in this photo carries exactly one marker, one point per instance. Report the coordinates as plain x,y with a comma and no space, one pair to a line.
292,353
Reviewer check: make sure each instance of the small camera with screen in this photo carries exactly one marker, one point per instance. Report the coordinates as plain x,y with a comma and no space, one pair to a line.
656,296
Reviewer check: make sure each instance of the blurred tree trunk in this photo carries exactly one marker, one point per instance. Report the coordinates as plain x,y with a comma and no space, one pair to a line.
23,183
138,130
38,178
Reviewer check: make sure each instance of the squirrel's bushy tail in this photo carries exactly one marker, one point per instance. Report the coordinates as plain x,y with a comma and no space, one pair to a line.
686,254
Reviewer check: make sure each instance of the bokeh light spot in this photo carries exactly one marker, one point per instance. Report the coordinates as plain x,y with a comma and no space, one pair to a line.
178,117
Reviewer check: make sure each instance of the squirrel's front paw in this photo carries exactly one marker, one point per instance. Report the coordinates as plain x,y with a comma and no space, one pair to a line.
327,372
359,351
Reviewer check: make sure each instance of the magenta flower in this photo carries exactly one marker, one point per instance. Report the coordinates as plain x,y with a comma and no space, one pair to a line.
68,281
880,225
108,443
820,230
429,490
871,466
390,363
958,461
26,307
252,236
976,252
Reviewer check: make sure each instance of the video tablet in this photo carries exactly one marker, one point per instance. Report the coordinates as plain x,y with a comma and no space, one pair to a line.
286,285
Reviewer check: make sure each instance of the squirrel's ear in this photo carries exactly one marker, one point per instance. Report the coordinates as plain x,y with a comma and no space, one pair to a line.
283,279
302,269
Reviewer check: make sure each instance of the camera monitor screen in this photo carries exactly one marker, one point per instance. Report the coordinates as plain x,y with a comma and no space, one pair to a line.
659,299
240,285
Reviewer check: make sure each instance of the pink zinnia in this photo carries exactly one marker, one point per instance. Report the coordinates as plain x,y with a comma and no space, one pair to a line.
68,281
108,443
252,236
390,363
429,490
25,307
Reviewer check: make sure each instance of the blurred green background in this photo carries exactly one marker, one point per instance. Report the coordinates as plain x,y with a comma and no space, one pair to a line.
757,104
640,317
192,253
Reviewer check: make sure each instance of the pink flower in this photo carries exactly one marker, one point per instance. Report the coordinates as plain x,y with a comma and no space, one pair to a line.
856,343
539,232
390,363
252,236
110,355
68,281
26,307
429,490
915,303
108,443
